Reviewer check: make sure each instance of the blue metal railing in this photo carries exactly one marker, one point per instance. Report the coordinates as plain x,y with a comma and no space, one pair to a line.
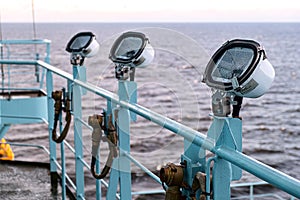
11,74
266,173
270,175
252,195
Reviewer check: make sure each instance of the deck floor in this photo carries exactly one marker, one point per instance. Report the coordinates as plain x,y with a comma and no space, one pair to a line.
25,182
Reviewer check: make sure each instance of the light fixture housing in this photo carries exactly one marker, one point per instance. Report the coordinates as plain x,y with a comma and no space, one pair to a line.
241,67
132,49
84,44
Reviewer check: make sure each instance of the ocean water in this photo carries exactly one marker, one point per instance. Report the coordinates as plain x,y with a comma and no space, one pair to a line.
172,86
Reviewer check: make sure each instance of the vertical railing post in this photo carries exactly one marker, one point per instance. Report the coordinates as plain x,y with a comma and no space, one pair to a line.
98,182
251,192
121,170
123,124
52,144
193,161
63,164
221,179
98,167
226,132
47,60
77,113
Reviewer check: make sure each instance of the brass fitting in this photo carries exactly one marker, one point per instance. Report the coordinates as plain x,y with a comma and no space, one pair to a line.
172,175
199,182
173,193
57,96
95,121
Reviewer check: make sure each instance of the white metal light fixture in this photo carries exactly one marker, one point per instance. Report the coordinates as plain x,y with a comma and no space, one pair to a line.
132,49
241,67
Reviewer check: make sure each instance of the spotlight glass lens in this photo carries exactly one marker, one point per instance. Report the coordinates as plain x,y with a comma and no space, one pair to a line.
83,43
80,42
128,48
233,63
132,49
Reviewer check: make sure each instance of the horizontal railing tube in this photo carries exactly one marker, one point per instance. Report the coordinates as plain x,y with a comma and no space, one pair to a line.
30,42
266,173
271,175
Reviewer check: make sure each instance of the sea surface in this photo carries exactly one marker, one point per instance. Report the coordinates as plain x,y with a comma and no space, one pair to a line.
172,86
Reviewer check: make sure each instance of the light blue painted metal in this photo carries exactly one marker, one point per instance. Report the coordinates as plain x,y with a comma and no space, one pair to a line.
104,183
63,170
12,42
245,162
126,89
207,180
253,196
121,166
10,45
67,177
221,178
261,170
113,179
131,92
225,132
123,123
24,110
142,167
233,137
3,129
63,163
52,145
79,73
193,161
251,193
30,145
98,182
225,146
77,112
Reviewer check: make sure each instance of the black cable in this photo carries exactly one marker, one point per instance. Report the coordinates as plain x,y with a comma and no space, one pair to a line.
236,108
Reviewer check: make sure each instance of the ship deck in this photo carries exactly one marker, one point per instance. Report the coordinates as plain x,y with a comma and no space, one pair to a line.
27,180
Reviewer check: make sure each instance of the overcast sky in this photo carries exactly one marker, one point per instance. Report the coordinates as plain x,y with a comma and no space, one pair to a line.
151,11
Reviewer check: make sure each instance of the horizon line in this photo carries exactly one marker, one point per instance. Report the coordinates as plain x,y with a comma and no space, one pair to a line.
140,22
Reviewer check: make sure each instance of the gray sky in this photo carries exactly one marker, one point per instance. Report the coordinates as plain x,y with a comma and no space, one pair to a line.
151,11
